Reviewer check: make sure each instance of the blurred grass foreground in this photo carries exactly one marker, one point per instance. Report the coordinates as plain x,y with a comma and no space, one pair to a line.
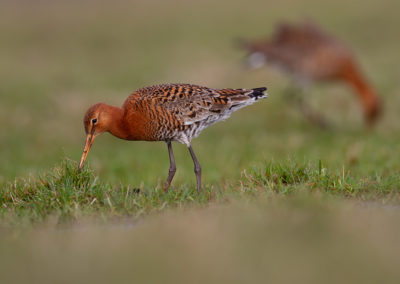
281,223
252,234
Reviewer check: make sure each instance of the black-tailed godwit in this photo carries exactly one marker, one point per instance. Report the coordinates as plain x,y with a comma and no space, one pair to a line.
170,112
309,54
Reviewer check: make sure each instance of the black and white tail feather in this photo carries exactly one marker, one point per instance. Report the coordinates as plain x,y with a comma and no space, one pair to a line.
248,97
259,93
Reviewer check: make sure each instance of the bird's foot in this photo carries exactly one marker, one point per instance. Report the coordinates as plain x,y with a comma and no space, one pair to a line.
166,186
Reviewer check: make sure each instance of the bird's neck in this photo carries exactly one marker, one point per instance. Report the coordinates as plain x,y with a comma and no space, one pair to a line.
115,123
127,125
356,80
365,92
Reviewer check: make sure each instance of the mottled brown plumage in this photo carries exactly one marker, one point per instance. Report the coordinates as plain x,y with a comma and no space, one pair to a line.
309,54
170,112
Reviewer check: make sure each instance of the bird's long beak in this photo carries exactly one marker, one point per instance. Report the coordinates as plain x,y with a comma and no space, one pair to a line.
89,141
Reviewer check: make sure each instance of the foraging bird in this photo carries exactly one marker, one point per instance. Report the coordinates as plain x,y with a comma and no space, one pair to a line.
308,54
170,112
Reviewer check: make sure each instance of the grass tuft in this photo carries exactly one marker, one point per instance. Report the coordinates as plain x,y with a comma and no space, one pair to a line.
286,178
66,194
69,194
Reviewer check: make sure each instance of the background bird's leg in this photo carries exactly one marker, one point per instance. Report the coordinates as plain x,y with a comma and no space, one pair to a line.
197,168
172,166
290,93
312,115
296,95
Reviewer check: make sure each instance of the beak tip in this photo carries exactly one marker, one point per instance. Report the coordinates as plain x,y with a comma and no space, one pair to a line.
86,149
81,164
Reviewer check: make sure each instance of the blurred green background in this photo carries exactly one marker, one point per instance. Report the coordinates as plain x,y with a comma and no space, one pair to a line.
59,57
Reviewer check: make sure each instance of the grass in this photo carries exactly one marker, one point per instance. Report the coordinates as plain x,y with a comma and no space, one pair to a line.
282,200
291,177
68,226
302,239
68,195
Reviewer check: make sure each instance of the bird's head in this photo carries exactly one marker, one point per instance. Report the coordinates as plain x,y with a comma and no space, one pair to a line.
95,121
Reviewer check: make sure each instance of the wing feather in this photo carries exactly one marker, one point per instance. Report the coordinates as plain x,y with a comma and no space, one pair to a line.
193,103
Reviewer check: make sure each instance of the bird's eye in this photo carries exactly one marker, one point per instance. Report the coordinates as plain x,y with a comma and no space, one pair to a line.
94,120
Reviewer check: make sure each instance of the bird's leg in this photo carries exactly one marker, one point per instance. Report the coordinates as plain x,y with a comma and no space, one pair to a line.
313,116
197,168
172,166
290,93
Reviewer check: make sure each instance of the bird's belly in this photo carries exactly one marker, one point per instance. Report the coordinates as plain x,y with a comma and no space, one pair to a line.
197,127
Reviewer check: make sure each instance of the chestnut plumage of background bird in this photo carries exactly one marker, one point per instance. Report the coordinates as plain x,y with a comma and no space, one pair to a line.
308,54
170,112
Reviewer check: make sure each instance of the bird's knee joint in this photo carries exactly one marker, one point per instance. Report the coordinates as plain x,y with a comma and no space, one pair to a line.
172,170
197,170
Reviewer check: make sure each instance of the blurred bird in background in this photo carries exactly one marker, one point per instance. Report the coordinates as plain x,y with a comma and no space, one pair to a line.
308,55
